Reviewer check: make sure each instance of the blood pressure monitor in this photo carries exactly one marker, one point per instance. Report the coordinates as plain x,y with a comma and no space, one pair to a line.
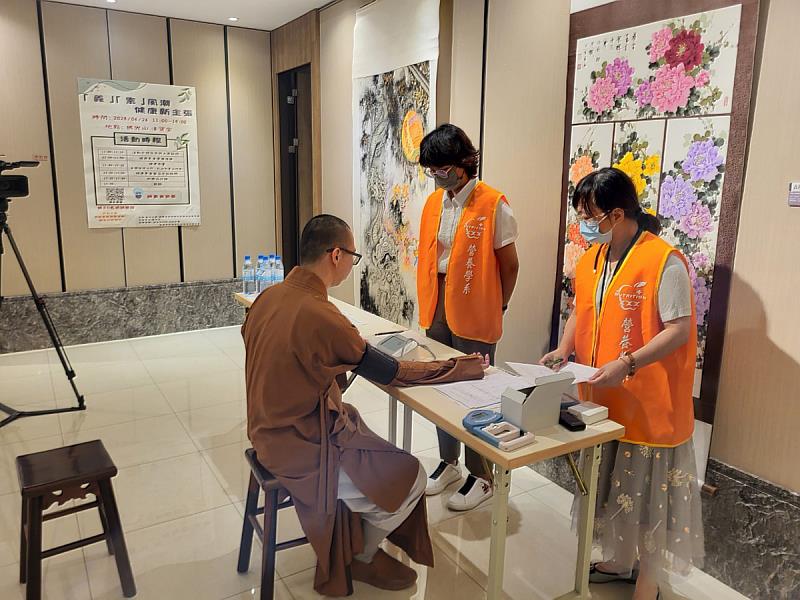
396,345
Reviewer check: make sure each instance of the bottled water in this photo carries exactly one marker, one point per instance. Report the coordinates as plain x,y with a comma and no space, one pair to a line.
278,271
260,277
271,269
248,276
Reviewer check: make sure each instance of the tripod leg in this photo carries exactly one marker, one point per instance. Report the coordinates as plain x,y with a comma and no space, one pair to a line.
45,314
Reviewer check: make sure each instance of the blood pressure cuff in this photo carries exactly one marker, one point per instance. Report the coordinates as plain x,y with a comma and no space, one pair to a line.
377,366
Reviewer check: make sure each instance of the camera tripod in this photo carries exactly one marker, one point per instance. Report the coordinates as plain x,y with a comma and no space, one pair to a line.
14,414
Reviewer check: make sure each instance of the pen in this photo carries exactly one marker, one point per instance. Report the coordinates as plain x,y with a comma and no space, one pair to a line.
391,332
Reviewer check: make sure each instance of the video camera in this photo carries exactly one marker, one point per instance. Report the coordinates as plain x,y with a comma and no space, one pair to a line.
14,186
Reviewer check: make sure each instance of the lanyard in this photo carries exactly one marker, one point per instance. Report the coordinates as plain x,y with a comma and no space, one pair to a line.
616,269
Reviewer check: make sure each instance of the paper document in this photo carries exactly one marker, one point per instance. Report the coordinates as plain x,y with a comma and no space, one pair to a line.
483,392
582,373
352,318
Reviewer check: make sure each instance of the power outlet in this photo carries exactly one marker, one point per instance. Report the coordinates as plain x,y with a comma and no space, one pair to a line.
794,194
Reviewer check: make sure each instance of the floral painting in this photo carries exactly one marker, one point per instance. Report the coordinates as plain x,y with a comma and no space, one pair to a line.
637,152
689,203
678,67
590,149
393,114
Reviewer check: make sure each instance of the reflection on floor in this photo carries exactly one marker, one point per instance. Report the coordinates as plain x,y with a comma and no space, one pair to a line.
171,411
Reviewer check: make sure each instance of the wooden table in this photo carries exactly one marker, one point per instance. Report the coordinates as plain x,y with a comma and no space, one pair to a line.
448,414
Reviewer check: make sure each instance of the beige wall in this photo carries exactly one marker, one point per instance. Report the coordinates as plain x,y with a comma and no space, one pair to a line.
251,139
757,410
467,67
23,135
139,53
523,146
336,71
757,413
91,42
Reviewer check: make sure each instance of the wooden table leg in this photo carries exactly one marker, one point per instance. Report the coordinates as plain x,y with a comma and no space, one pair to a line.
393,419
589,472
408,413
497,549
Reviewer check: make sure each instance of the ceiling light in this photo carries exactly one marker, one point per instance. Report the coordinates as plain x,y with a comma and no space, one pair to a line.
233,18
111,1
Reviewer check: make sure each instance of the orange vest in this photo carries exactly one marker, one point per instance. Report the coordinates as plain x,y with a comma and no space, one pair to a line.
473,296
655,405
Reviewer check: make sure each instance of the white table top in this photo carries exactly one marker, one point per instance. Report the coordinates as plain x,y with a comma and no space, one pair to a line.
447,414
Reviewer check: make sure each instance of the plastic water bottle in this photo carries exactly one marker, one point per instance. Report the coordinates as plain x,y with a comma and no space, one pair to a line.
271,269
260,274
248,276
277,276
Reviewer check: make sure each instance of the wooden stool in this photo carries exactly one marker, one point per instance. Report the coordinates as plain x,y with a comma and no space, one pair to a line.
55,477
261,479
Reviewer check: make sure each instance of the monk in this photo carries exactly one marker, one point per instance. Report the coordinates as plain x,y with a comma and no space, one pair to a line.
351,488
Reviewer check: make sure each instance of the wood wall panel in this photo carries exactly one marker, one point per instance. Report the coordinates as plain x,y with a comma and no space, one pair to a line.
76,45
251,136
755,428
336,93
198,59
467,67
522,154
444,66
139,52
23,135
293,45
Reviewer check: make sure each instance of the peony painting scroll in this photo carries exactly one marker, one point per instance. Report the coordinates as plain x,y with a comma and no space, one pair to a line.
655,101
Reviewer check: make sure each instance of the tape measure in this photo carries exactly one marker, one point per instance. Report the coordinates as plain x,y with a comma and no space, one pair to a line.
481,418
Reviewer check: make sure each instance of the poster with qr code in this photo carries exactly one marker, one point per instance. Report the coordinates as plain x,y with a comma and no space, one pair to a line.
139,154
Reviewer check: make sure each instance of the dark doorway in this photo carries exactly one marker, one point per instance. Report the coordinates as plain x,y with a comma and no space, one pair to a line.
294,113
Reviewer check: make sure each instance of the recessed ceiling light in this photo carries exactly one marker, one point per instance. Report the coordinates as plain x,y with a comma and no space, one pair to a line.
233,18
111,1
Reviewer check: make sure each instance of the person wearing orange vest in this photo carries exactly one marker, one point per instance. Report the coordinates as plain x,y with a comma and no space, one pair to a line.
634,318
466,272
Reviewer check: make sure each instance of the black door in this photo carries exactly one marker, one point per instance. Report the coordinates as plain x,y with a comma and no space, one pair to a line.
294,92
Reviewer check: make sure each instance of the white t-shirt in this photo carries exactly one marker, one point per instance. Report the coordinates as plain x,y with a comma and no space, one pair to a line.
674,291
506,230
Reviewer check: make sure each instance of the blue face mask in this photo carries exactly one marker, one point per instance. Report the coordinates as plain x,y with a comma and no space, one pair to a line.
590,230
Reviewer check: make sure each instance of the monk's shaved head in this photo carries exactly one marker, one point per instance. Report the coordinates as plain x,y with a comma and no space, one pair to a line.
320,234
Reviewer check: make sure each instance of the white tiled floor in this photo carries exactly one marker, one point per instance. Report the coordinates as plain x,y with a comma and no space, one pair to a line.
171,411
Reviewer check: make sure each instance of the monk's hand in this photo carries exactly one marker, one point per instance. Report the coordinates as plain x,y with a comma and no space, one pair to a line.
485,362
611,374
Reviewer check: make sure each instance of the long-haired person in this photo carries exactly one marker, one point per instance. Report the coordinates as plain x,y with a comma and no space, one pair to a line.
634,318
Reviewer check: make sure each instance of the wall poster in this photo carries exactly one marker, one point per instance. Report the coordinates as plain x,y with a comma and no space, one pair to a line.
139,153
394,106
662,91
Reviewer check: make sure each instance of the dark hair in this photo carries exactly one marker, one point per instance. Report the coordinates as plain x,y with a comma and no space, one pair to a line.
321,233
610,188
449,145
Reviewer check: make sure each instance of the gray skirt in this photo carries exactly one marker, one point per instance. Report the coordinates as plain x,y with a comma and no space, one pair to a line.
648,508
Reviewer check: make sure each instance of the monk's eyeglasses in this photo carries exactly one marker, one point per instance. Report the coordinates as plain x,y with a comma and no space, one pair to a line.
356,256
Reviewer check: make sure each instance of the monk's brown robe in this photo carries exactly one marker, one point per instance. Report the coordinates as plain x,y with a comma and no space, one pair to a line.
297,344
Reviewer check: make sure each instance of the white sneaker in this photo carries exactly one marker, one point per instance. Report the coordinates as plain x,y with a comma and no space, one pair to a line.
444,475
472,494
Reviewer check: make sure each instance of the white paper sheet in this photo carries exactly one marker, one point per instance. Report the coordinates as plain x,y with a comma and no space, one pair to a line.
352,318
582,372
484,392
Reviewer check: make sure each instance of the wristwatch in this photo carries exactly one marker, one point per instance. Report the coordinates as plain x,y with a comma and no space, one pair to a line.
631,363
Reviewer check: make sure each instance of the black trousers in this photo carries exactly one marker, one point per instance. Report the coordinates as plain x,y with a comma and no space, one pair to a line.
450,447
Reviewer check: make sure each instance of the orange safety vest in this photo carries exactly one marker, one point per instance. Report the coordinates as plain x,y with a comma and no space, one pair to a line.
473,295
655,405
